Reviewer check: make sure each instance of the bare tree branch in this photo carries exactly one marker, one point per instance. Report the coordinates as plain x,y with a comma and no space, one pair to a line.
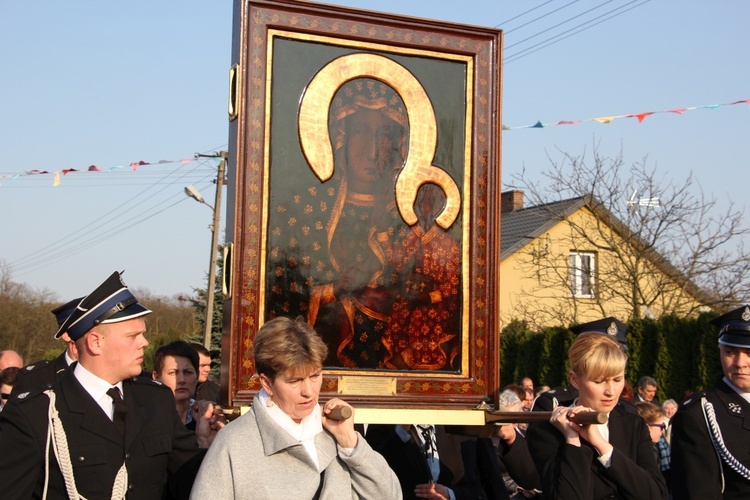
663,246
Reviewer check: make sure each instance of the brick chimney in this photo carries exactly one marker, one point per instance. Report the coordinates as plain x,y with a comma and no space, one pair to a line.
510,201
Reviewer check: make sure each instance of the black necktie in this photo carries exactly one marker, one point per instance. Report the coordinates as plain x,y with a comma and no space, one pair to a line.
429,439
121,409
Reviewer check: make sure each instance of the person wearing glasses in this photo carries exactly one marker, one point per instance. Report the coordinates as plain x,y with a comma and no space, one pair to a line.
654,417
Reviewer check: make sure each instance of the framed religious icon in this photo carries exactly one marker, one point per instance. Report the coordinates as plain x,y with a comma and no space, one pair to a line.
364,187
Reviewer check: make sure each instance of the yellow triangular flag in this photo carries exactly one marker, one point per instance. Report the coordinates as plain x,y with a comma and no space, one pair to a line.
604,119
57,180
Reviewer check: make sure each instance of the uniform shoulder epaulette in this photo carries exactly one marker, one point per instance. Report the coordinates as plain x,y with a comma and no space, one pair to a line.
35,366
692,399
29,395
147,381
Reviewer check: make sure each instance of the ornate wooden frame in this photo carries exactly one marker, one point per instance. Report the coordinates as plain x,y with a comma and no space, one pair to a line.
278,46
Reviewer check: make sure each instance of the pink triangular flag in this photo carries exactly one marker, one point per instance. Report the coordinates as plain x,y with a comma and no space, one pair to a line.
138,164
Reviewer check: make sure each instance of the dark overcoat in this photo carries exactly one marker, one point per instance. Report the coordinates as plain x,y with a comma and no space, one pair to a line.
156,443
459,468
696,469
39,374
574,472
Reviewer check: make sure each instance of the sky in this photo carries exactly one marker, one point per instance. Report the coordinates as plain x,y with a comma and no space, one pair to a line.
109,84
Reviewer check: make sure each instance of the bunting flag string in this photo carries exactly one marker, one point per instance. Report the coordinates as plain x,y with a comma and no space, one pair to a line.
56,178
639,116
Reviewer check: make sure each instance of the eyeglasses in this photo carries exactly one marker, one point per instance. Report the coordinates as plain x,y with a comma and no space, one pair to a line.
661,426
4,396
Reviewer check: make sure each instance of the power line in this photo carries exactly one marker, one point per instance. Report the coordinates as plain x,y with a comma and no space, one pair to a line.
541,17
556,39
560,24
523,14
68,244
113,184
132,199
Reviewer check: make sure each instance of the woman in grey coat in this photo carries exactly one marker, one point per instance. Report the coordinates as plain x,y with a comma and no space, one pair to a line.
286,446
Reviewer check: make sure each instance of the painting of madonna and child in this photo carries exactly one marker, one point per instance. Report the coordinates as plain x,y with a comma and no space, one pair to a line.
384,294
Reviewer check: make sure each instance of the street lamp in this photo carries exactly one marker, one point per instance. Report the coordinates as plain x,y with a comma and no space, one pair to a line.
194,194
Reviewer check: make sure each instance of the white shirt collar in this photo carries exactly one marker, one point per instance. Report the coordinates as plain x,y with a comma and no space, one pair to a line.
68,359
745,395
95,386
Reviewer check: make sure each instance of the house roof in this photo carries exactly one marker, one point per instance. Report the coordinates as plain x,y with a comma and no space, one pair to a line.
521,227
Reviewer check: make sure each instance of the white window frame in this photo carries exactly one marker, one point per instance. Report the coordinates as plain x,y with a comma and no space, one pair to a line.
582,274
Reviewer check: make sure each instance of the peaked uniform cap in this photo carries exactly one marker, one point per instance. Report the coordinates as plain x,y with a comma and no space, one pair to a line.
610,326
734,327
64,311
111,302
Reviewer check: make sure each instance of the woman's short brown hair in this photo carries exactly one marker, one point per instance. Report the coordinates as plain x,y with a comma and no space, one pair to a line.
284,344
596,356
650,412
175,349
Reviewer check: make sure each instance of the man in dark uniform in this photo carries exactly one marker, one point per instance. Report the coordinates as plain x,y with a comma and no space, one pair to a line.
565,395
110,432
711,430
45,372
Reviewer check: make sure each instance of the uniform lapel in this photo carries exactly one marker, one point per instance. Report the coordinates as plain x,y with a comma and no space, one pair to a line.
80,402
732,404
137,413
617,432
60,365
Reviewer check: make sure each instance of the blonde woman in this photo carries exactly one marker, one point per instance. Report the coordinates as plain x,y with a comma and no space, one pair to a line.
612,460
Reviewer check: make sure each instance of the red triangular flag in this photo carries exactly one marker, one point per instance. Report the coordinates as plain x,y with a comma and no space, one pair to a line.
641,116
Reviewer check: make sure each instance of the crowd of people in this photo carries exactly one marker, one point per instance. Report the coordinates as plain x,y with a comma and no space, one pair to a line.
93,424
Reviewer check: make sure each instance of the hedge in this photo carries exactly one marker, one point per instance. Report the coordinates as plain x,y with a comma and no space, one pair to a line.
680,353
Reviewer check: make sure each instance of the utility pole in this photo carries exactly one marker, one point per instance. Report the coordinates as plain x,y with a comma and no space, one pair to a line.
214,246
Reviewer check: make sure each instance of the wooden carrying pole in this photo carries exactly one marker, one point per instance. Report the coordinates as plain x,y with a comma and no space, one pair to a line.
232,412
527,417
495,419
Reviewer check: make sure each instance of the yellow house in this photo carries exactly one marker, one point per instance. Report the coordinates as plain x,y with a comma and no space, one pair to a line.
573,261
